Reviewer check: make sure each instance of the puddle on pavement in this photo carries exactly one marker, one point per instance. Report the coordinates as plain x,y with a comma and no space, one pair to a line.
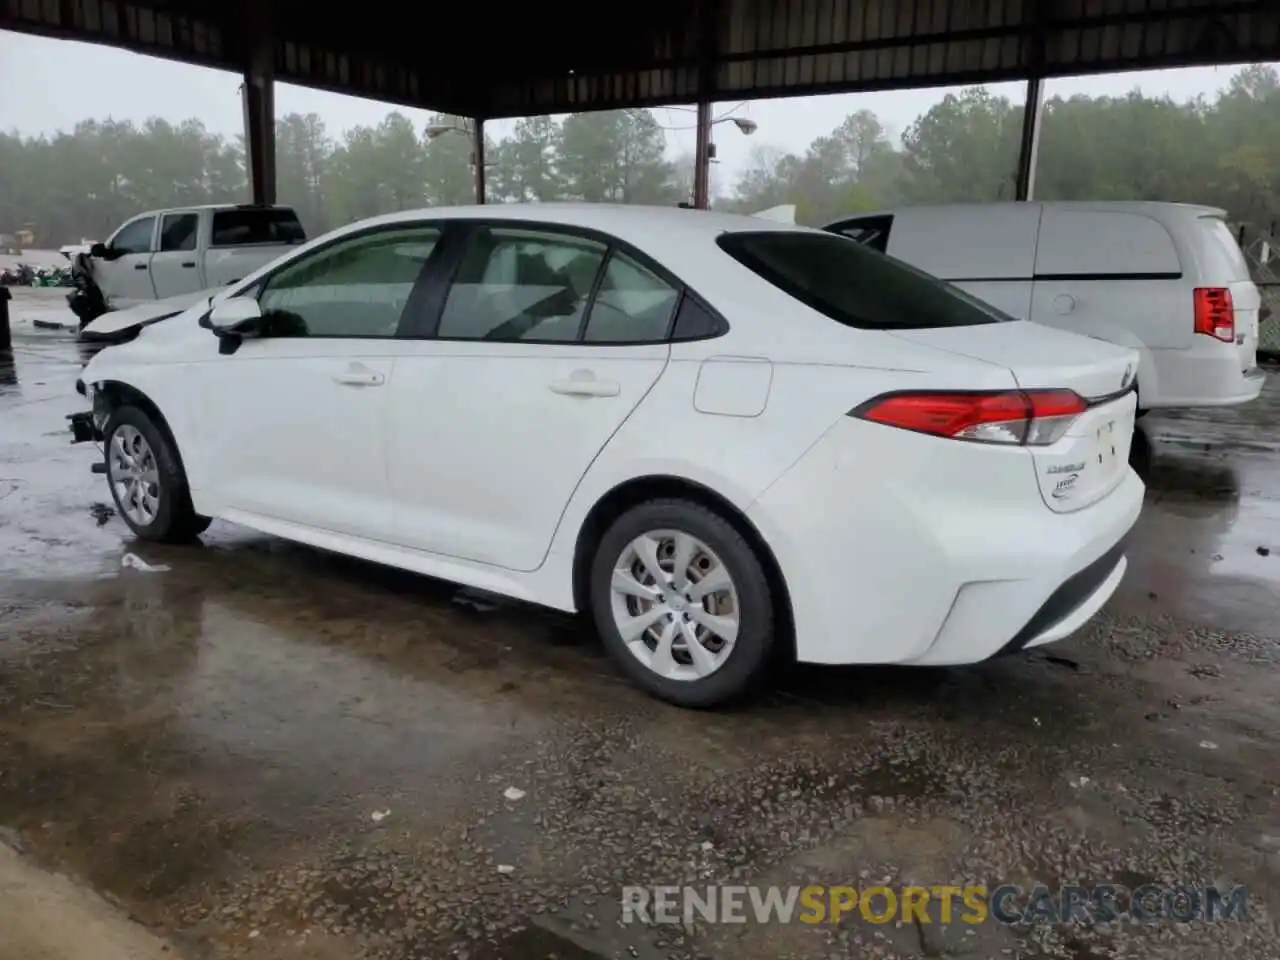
902,778
1213,500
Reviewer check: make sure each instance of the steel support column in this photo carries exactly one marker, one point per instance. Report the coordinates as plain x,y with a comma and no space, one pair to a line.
1029,148
477,156
258,94
708,20
702,159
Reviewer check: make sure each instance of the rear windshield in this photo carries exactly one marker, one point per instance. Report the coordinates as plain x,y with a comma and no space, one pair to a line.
235,228
853,284
1225,259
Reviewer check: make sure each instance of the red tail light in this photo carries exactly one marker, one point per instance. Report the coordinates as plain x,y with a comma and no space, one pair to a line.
1022,417
1215,313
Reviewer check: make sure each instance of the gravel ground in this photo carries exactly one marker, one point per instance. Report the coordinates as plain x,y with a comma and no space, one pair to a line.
269,752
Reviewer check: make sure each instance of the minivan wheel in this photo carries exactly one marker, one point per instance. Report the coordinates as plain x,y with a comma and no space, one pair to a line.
146,479
682,603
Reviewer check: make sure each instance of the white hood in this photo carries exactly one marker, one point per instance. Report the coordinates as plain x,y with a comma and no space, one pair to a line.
117,321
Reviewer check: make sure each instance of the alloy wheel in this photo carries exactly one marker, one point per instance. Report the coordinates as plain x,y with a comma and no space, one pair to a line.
135,475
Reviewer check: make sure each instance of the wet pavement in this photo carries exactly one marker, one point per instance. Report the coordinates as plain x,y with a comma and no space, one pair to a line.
271,752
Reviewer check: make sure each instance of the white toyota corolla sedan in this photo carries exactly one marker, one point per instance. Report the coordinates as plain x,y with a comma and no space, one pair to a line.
725,438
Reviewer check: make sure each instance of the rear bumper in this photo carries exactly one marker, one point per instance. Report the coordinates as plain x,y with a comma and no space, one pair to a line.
952,558
1073,604
1207,374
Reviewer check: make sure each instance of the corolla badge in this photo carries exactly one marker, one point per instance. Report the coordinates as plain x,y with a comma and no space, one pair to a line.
1067,468
1128,376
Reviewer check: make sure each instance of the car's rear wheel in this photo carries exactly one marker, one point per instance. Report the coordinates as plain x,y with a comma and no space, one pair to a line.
146,479
682,603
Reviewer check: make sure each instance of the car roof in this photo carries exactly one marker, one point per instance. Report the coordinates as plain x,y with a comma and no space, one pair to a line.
644,226
1159,209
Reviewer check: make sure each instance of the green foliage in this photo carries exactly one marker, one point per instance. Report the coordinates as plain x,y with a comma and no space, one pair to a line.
85,182
965,148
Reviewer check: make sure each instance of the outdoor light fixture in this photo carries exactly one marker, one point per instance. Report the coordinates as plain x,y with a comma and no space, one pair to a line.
434,130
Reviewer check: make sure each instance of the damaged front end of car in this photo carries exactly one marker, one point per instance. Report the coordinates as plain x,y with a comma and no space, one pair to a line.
107,332
87,425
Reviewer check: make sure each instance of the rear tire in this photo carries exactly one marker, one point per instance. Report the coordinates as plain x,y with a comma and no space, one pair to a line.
1140,453
147,480
682,603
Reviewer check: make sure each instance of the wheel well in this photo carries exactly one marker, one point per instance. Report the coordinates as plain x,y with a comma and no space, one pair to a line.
634,492
119,394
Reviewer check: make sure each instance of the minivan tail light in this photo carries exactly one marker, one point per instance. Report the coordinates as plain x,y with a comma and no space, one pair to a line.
1215,313
1019,417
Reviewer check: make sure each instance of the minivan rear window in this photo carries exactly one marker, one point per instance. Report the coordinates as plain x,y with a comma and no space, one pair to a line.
853,284
1226,261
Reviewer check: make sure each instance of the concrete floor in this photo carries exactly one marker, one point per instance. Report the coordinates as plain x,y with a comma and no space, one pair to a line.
269,752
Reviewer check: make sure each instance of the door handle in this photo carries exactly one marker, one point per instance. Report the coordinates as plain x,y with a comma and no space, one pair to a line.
356,378
139,266
188,263
584,387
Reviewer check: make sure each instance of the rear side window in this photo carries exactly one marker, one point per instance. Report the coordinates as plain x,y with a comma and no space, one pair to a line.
1222,253
520,284
246,225
1102,244
178,231
632,304
853,284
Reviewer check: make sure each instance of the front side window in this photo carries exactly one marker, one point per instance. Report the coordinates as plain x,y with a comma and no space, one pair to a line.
134,237
178,231
519,284
356,288
854,284
633,304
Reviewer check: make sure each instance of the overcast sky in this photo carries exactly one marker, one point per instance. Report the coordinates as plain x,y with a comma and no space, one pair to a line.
50,85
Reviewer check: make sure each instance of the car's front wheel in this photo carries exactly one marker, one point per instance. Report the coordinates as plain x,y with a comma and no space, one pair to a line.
682,603
146,479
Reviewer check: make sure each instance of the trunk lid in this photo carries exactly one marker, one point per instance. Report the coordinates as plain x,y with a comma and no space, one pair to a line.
1088,462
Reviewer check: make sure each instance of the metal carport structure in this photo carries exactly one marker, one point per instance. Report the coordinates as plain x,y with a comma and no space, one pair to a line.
487,62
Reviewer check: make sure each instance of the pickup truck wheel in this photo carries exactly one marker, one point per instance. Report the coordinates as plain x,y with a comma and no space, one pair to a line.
146,479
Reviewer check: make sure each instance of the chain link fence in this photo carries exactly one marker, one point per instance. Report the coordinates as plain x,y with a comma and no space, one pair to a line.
1262,250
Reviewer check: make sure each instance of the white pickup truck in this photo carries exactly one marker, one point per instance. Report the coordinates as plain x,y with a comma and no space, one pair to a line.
169,253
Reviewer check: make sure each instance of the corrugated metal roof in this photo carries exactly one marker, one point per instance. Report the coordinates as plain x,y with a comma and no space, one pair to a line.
575,55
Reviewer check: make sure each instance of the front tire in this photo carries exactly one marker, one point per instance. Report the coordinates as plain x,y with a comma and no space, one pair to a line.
146,479
682,603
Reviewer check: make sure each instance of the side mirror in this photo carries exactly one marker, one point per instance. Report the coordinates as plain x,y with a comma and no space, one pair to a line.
235,315
100,251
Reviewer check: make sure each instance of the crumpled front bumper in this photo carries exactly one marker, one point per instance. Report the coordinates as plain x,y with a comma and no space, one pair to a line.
86,425
83,429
